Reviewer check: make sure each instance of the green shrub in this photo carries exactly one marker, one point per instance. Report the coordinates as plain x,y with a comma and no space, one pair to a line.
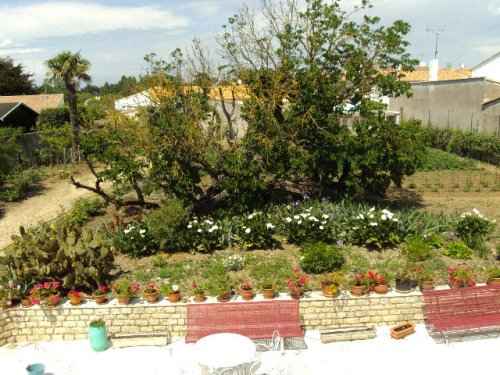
376,228
54,117
83,210
135,240
435,160
255,231
79,259
418,249
206,235
321,258
19,185
167,225
473,228
458,250
308,225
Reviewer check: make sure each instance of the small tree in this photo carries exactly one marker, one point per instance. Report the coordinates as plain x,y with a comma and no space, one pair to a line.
14,80
72,69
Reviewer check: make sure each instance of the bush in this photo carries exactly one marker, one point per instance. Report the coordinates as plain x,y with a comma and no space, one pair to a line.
473,228
255,231
458,250
167,225
54,117
206,235
309,225
417,249
79,259
83,210
320,258
377,228
19,185
135,240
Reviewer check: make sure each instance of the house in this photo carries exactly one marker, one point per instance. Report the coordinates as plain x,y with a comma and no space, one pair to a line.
489,68
17,115
36,102
423,74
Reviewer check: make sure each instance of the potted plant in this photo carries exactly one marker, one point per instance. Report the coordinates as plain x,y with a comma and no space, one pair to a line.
330,285
151,292
268,288
406,278
26,302
378,282
402,330
100,296
46,293
98,335
125,290
297,284
494,276
198,292
360,285
246,291
461,276
425,277
75,297
172,292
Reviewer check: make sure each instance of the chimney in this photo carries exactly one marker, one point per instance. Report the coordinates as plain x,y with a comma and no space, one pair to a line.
434,70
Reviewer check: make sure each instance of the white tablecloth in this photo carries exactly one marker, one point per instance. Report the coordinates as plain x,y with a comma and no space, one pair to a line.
225,350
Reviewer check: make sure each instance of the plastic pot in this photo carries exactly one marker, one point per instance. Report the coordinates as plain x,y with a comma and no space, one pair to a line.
405,285
36,369
98,337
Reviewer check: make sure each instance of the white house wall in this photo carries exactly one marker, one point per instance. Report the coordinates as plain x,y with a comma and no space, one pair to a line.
489,70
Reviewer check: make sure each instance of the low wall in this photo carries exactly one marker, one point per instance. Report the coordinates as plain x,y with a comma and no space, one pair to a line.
66,322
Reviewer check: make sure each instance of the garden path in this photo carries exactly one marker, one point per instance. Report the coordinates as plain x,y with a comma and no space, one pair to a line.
56,196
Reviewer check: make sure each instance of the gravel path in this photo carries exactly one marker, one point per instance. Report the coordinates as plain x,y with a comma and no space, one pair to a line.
52,200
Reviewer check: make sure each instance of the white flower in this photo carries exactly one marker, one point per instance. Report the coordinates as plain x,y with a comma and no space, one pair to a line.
299,222
383,217
304,215
395,220
248,230
215,227
199,231
325,216
269,226
251,216
371,209
360,216
321,227
296,217
175,288
190,226
476,211
142,231
372,224
127,231
288,219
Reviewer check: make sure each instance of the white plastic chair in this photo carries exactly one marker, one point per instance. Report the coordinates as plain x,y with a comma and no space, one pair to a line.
277,343
243,369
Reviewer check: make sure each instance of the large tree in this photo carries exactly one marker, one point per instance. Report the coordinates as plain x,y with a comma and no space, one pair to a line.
72,69
14,80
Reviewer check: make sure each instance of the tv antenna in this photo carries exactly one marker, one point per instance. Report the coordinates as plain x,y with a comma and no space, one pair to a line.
437,33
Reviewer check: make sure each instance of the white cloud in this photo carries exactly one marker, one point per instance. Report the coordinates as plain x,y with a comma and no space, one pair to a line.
19,51
69,18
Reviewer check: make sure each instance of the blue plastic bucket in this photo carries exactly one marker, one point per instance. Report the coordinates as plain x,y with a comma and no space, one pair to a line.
98,337
36,369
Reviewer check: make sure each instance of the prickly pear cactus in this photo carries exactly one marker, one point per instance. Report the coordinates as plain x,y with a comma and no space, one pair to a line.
80,259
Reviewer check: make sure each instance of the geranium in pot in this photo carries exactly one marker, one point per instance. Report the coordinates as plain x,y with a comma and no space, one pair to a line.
330,284
297,284
494,277
198,292
360,285
461,276
125,290
246,291
75,297
100,296
425,278
172,292
379,282
151,292
47,293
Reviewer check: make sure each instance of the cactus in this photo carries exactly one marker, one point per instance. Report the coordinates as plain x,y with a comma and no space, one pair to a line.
79,259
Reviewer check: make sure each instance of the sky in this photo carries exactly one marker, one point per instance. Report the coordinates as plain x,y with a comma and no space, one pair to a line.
115,35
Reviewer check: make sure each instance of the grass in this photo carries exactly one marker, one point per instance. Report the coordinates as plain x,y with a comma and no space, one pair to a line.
437,160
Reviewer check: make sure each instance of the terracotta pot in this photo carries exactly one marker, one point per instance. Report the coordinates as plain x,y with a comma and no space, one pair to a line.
381,289
75,300
152,297
297,294
123,300
401,331
246,294
330,291
174,297
457,285
200,298
358,290
268,293
224,297
54,300
100,299
26,302
427,285
494,282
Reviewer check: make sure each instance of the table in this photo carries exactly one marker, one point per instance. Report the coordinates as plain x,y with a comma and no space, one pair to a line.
224,351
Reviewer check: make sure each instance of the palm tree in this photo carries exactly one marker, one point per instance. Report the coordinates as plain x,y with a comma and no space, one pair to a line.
72,69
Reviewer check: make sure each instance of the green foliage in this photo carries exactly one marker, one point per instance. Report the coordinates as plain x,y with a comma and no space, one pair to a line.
14,80
19,185
53,117
167,225
80,259
437,160
418,249
9,150
458,250
321,258
135,240
473,228
309,225
255,231
206,235
55,143
83,210
217,279
268,271
377,228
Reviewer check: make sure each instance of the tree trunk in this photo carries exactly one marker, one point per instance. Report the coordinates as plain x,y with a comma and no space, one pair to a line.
74,120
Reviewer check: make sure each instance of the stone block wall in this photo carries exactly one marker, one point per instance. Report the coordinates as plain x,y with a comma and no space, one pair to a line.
66,322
